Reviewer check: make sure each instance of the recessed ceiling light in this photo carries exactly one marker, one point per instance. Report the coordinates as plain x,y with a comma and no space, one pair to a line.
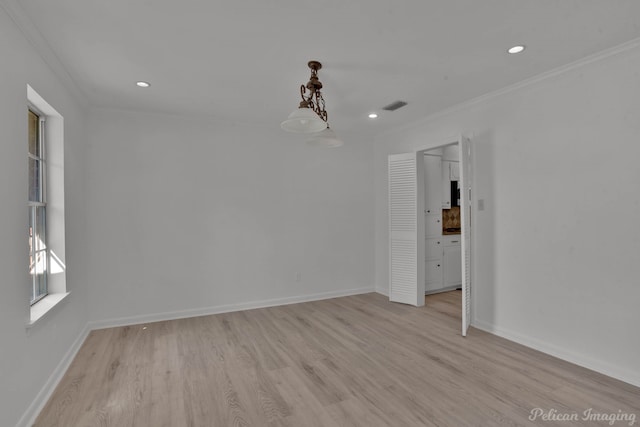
143,84
516,49
373,116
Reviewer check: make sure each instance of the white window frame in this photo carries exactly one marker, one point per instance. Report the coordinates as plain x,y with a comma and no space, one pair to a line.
38,248
53,176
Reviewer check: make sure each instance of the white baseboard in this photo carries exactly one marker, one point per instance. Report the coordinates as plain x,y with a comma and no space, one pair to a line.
383,291
600,366
32,412
205,311
30,415
43,396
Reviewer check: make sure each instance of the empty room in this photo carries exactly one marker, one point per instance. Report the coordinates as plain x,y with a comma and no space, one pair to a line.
319,213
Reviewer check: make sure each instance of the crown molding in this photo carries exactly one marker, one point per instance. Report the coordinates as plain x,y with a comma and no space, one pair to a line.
31,33
531,81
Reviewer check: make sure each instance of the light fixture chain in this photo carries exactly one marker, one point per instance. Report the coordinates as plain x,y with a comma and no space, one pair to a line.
305,99
319,107
313,99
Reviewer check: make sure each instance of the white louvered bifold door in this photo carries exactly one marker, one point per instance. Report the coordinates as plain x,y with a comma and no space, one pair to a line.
406,229
465,219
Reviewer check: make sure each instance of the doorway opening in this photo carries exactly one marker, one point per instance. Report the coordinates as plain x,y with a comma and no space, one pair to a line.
430,224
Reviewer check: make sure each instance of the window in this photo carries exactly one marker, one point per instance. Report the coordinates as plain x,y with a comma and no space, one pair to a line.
38,252
45,152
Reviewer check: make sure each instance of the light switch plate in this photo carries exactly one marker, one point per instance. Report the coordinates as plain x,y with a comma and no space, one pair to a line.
480,204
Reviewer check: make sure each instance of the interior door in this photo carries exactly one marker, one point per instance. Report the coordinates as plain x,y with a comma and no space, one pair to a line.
465,219
406,228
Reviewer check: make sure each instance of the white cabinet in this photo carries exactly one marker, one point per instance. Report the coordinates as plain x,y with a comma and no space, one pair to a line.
433,264
452,261
433,184
450,172
434,249
446,185
454,171
433,196
451,152
442,253
443,263
433,275
433,225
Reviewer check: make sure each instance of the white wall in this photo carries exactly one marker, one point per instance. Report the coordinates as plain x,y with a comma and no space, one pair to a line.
28,358
558,245
188,214
170,214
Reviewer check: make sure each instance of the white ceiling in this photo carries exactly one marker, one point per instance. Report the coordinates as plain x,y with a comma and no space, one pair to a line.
244,60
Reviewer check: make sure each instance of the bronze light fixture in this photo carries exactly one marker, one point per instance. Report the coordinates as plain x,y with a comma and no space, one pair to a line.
311,115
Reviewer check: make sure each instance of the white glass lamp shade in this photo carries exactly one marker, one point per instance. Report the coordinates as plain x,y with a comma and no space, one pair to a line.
303,120
326,138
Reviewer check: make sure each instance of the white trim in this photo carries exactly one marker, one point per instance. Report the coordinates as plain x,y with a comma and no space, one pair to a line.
39,310
34,37
32,412
441,143
602,367
599,56
36,102
227,308
382,291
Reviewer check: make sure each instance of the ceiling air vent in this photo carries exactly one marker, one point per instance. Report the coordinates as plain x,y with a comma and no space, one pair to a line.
394,106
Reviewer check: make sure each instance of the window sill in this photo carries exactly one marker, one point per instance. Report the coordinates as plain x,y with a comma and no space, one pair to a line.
44,306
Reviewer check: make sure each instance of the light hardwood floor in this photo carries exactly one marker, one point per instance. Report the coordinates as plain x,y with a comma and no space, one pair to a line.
353,361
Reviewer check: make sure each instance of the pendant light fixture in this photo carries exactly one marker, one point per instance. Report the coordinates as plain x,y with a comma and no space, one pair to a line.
310,116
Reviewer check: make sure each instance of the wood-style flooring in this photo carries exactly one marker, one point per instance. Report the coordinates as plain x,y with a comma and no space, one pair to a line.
353,361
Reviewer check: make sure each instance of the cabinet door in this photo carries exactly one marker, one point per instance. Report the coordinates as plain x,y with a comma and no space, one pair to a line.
454,171
434,249
446,185
453,265
433,275
452,240
433,225
433,184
